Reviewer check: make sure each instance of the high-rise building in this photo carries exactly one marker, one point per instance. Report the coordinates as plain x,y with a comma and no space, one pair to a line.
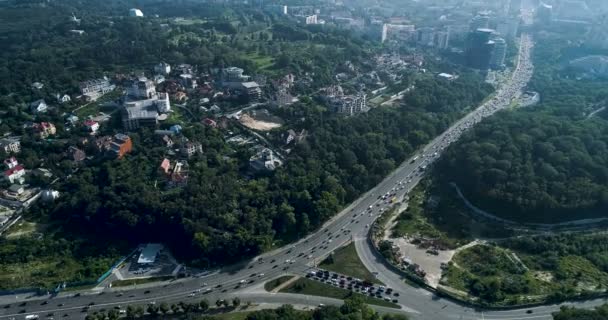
479,48
480,21
497,60
544,13
425,36
442,39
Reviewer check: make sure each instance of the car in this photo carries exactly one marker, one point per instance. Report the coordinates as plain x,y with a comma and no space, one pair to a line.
91,303
44,303
395,301
61,305
529,311
147,291
218,286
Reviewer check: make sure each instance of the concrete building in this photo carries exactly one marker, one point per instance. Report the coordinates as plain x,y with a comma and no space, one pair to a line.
442,39
187,80
479,49
93,89
234,74
44,129
399,32
142,88
497,60
544,13
15,175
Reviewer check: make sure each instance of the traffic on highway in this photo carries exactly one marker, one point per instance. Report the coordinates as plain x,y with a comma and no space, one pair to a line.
302,258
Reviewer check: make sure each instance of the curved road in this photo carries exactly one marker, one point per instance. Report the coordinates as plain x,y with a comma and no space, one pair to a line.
245,280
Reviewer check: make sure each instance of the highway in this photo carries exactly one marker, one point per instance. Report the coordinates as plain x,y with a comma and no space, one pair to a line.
352,224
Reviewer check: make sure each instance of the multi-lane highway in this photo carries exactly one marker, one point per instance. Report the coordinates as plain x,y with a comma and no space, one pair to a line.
352,224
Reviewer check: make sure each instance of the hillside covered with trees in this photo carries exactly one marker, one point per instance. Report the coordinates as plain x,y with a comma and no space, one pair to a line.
548,163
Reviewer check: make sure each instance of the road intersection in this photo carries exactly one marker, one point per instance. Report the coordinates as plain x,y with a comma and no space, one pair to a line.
352,224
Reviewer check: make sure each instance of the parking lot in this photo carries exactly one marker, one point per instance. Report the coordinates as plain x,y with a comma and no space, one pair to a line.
354,285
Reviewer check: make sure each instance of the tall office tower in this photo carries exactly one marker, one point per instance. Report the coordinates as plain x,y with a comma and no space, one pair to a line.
480,48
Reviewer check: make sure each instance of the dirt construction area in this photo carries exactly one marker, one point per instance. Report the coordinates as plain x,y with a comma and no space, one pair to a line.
258,124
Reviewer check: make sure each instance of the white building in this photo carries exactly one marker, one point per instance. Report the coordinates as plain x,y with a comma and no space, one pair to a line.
349,105
265,160
142,88
135,13
162,68
38,106
497,60
278,9
95,88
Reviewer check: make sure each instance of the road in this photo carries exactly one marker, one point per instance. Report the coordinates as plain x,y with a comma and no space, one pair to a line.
244,280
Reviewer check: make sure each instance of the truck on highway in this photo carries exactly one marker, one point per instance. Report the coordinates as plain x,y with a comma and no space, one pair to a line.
31,317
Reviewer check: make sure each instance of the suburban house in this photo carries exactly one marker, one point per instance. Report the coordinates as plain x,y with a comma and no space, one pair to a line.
189,149
38,106
265,160
63,98
91,126
165,166
11,162
15,175
167,141
162,68
37,85
44,129
121,145
210,122
10,145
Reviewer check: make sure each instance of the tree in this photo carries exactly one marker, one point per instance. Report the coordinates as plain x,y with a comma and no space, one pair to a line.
236,302
204,305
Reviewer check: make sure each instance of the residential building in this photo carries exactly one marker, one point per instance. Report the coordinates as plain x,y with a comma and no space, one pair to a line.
210,123
44,129
137,115
349,104
15,175
399,32
162,68
184,68
11,162
72,119
37,85
93,89
49,195
447,76
283,98
265,160
189,149
167,141
480,21
63,98
508,27
165,166
15,190
38,106
91,126
250,89
442,39
187,80
76,154
10,145
135,13
426,36
544,13
307,19
121,145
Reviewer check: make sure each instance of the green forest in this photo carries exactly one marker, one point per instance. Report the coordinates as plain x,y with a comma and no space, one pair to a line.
547,163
